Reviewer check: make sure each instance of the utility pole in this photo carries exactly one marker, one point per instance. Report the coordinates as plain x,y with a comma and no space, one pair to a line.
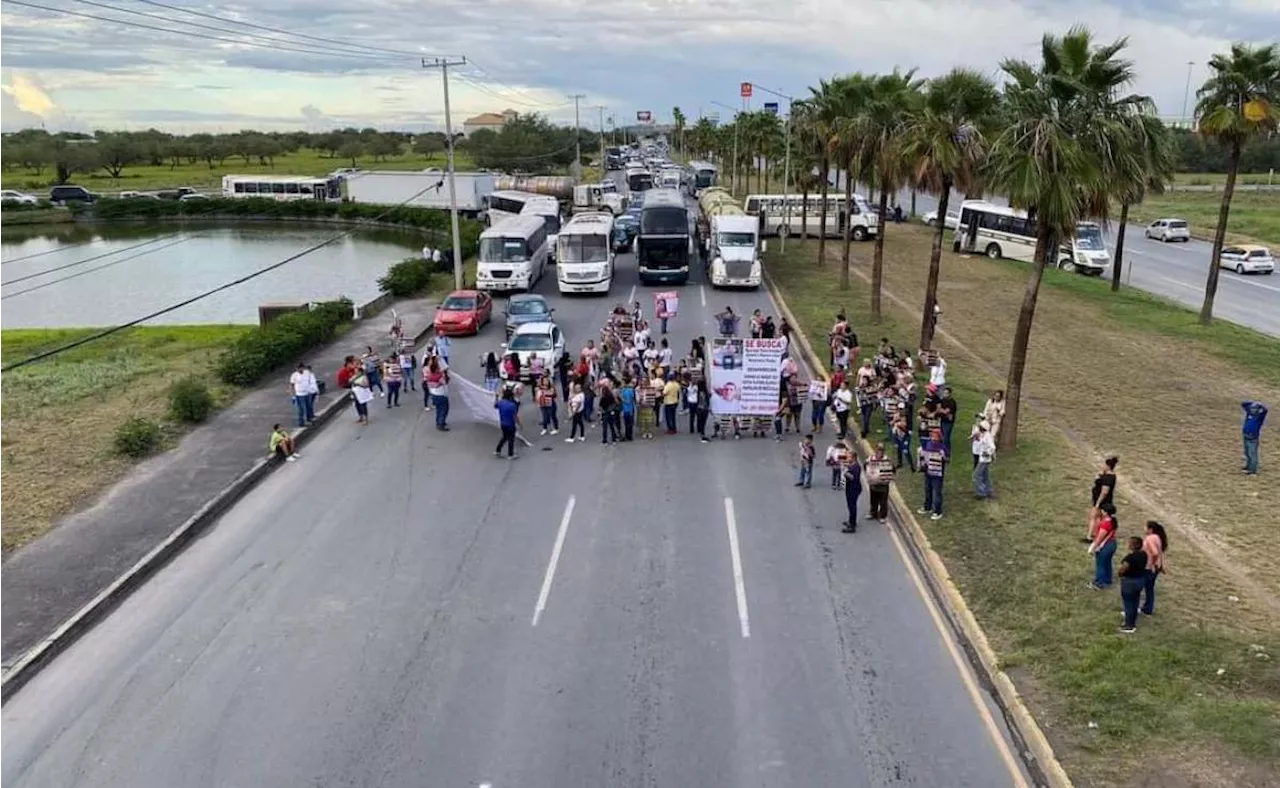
577,136
443,64
1186,93
603,162
786,167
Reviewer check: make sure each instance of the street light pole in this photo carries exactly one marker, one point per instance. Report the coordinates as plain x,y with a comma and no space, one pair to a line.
443,65
603,163
786,167
1186,92
577,136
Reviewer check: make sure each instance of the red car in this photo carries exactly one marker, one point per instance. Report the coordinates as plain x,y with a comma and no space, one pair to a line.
463,312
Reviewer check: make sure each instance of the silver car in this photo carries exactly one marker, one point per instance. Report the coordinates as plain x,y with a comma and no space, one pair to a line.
526,308
1169,230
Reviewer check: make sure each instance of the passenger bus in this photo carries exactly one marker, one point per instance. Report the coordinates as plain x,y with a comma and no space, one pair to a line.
780,213
999,231
705,175
502,205
639,179
513,254
283,187
584,254
664,244
548,209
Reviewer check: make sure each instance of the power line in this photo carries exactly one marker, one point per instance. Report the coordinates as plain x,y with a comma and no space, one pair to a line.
86,272
47,251
486,89
85,260
490,74
200,297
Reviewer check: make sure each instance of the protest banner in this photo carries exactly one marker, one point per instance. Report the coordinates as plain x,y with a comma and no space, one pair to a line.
744,376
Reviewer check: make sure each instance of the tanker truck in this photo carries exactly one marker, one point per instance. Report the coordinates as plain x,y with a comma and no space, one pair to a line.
558,186
733,240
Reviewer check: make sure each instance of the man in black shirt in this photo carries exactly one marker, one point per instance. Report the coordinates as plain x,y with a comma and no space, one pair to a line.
1103,492
947,410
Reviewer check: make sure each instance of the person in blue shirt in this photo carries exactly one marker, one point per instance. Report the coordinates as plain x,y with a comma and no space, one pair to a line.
1255,413
508,420
627,396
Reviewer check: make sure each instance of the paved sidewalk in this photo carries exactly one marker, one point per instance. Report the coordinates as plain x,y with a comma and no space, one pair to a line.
50,579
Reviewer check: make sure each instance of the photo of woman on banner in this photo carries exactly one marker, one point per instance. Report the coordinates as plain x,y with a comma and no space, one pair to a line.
665,306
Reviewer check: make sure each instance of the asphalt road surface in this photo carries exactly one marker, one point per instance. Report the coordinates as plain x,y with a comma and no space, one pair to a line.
366,617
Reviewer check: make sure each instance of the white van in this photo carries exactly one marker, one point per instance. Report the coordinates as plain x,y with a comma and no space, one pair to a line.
549,209
513,254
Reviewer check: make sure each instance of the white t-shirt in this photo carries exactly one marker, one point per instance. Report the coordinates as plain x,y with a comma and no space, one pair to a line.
309,377
443,345
938,373
576,402
843,400
664,357
298,380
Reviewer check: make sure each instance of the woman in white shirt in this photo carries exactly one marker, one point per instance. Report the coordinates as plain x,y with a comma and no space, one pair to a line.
938,372
842,400
993,412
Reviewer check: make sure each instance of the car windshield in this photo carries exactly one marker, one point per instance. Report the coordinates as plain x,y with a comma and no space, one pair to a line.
459,304
503,250
1178,224
736,239
531,306
1089,239
530,342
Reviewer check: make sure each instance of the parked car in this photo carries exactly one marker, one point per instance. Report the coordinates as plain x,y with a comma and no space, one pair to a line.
1168,230
952,220
176,194
61,195
20,198
1248,259
543,340
463,312
526,308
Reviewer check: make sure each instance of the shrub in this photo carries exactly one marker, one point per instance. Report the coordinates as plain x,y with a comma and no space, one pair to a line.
408,277
281,341
138,437
190,400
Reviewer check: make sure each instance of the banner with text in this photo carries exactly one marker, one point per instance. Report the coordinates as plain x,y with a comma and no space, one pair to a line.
744,376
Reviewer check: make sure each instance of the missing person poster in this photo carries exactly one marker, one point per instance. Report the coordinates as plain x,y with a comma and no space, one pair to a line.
666,304
744,376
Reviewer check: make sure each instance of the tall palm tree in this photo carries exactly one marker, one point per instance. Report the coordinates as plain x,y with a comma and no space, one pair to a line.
1144,166
703,137
804,160
846,146
947,141
678,120
824,104
1240,100
1056,157
892,100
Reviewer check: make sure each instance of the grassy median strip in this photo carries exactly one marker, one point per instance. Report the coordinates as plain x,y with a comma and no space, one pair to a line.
1255,215
1188,700
60,415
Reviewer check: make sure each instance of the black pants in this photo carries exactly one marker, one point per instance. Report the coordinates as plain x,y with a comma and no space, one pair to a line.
509,440
842,416
702,420
851,495
579,426
609,425
628,426
879,502
693,420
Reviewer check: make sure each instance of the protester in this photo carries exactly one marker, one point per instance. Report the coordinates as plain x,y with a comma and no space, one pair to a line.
879,477
690,400
804,478
361,395
817,408
508,421
902,443
564,371
436,377
836,454
984,452
1103,492
933,463
608,413
1103,547
852,491
577,406
347,371
1154,544
627,407
947,409
670,400
408,366
444,348
993,412
660,312
757,324
1255,413
648,391
842,401
703,409
938,371
281,445
781,413
394,379
664,356
1133,570
300,385
492,372
727,322
545,394
767,329
373,369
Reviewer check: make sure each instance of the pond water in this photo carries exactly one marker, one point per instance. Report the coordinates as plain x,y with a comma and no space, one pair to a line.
101,276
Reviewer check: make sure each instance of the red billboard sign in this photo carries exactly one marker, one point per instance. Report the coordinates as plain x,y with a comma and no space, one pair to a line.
746,90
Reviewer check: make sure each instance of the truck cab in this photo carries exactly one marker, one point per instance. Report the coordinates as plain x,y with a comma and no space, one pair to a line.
598,197
1086,253
734,248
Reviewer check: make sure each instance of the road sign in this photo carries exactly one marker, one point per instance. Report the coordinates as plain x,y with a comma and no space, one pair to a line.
746,90
771,106
644,116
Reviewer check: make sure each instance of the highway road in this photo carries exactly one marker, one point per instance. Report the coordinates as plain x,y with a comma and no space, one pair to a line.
401,608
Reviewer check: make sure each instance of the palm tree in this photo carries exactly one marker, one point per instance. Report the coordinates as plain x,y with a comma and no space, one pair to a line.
824,111
678,119
703,137
846,146
892,99
947,141
1240,100
804,160
1056,157
1145,165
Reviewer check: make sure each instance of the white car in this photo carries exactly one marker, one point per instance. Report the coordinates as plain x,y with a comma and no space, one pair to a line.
952,220
1248,259
543,340
131,195
21,198
1169,230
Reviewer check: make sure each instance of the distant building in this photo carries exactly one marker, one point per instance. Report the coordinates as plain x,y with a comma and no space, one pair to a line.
493,121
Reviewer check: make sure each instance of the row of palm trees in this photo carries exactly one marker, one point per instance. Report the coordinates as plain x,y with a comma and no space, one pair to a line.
1061,138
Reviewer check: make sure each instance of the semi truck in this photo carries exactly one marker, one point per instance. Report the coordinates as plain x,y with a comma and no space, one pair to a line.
733,240
558,186
598,197
421,189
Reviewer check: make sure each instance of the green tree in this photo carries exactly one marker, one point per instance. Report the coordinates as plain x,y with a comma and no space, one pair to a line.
678,119
429,144
115,151
1145,165
852,95
1055,157
823,117
383,146
946,144
352,150
1239,101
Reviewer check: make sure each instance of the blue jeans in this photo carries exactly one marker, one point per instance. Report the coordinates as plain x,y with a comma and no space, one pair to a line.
1102,564
669,414
375,381
805,478
441,405
1251,454
982,480
407,372
588,405
816,413
933,493
393,393
549,417
904,452
664,324
303,403
1130,590
1149,591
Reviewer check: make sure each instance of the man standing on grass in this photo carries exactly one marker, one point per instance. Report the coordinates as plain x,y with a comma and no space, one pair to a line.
984,447
1255,413
933,462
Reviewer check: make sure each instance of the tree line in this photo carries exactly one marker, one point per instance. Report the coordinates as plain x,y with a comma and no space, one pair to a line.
529,142
1062,139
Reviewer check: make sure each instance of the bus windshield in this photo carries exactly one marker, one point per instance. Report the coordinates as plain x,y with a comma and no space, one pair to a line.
583,249
664,221
705,178
1089,239
663,252
503,250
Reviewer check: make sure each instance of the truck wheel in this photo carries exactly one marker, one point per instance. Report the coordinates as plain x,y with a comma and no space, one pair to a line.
994,251
1067,265
859,233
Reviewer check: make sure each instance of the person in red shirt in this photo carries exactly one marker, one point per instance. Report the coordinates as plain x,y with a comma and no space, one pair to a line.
1103,547
344,374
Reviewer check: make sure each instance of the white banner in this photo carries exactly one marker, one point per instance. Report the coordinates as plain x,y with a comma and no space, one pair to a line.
479,402
745,376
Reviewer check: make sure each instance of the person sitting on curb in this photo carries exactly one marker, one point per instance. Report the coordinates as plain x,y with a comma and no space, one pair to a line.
281,445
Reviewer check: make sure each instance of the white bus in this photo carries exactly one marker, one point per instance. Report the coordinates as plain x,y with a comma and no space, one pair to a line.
501,205
513,254
783,212
999,231
548,209
282,187
584,254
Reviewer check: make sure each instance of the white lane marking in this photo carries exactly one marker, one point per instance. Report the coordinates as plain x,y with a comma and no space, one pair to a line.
966,674
555,559
1251,283
702,292
631,299
739,586
1177,282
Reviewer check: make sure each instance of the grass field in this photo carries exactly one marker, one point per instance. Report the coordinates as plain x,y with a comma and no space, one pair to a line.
1254,218
145,177
1219,178
60,415
1187,701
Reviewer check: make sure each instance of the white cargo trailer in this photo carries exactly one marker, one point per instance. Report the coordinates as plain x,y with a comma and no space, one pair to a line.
421,189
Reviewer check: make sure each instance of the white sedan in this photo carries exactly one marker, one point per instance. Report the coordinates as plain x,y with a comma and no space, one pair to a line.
952,220
543,340
1248,259
21,198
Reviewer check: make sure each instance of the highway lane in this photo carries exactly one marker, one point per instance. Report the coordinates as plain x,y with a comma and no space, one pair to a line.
365,617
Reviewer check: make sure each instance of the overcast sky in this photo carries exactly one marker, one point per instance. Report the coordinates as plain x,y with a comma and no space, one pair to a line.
71,72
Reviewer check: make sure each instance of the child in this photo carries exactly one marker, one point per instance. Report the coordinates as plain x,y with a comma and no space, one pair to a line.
281,445
805,478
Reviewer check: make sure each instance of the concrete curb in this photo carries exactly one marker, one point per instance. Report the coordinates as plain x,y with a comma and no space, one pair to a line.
68,632
1032,745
